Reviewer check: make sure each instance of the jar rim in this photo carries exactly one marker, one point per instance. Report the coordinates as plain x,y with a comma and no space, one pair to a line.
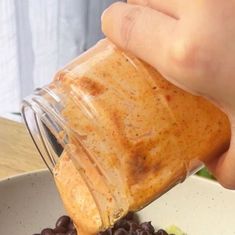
43,124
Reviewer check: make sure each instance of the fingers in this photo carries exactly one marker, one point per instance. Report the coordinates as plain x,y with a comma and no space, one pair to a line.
169,7
143,31
158,39
224,167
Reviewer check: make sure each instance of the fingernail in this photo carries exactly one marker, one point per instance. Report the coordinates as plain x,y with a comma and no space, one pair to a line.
110,8
105,17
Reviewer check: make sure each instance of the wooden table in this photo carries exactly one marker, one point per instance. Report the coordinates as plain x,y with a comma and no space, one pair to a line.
17,151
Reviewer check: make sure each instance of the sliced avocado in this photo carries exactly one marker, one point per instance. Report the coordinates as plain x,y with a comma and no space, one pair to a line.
175,230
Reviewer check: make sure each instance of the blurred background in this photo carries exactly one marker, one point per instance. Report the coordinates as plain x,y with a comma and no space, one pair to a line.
39,37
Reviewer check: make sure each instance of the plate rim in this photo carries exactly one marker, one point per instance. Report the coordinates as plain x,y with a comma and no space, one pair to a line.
23,174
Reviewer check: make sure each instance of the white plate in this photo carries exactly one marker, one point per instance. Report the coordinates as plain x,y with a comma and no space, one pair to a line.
30,202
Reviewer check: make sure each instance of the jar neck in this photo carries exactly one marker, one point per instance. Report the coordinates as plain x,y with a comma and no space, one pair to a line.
41,113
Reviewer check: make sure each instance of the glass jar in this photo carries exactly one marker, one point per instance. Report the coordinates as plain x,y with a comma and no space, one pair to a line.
117,135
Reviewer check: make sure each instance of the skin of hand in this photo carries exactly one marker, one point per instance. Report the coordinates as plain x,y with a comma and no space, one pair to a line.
192,44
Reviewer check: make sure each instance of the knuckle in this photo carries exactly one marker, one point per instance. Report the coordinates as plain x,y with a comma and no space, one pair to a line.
183,54
193,59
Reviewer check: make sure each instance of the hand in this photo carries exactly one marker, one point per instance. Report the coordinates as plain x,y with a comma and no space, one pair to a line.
192,44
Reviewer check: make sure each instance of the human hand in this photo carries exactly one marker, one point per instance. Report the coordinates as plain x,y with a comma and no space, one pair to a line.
192,44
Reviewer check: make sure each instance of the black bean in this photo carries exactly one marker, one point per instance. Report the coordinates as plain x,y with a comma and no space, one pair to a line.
60,229
109,231
71,226
120,231
71,232
47,231
106,232
132,233
138,230
161,232
144,232
122,223
63,221
129,216
133,226
147,226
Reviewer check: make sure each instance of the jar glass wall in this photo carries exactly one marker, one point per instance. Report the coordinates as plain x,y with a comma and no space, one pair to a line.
118,135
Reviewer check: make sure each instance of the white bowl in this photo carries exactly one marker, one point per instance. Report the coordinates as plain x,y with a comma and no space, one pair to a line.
30,202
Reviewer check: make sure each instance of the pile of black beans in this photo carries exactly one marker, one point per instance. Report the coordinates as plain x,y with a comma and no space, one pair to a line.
129,225
64,226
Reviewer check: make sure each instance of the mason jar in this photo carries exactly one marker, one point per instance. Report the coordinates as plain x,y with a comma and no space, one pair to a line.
117,135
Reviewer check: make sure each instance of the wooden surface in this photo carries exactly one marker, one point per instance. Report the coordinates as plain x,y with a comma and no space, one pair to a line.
17,151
